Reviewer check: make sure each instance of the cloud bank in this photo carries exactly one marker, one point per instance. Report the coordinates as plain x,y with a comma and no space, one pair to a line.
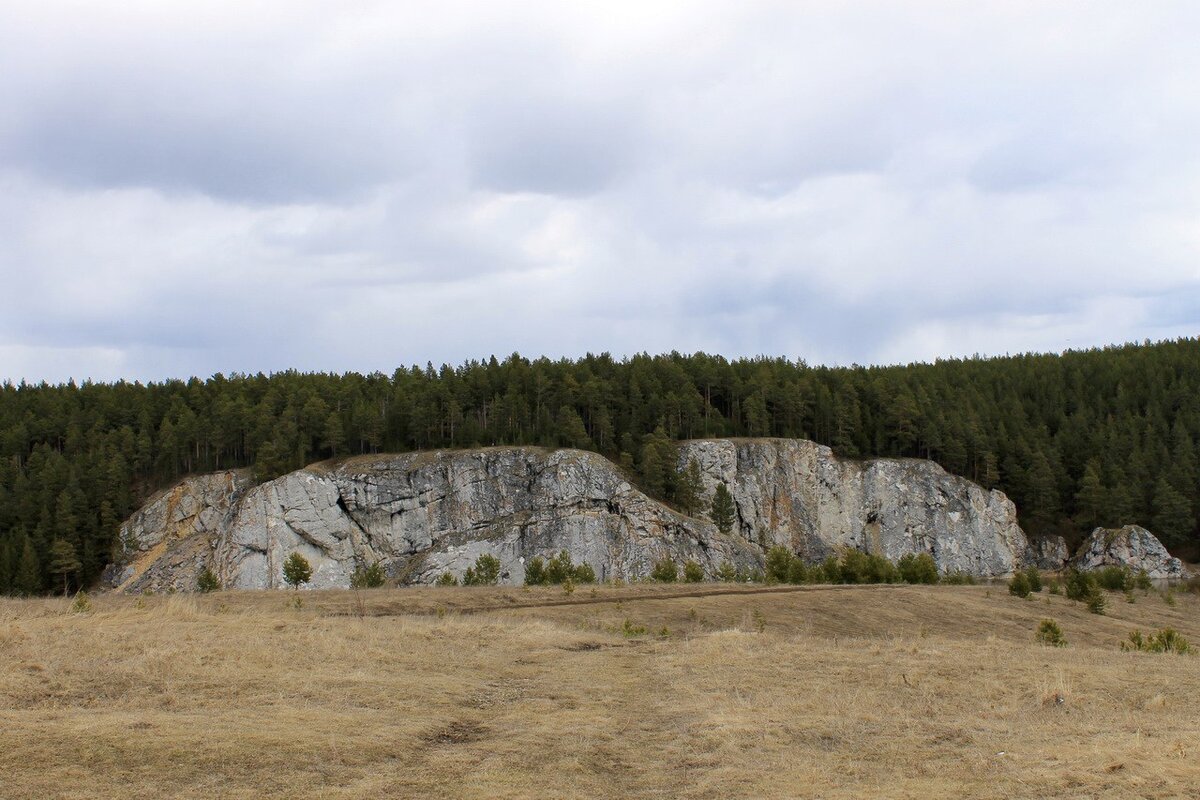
194,188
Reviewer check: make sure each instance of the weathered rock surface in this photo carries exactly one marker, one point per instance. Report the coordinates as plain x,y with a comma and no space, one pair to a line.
423,514
1131,546
798,494
1050,553
167,542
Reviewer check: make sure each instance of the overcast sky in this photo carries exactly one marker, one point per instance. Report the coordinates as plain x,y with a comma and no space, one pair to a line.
190,188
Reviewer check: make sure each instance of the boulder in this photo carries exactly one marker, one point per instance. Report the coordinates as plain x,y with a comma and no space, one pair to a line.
1131,546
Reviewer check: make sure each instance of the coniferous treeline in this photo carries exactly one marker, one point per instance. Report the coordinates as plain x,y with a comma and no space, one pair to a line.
1080,439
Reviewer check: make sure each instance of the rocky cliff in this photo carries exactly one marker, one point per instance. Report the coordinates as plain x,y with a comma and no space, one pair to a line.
423,514
798,494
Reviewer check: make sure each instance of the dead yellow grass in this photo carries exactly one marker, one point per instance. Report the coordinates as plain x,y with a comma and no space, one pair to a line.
845,692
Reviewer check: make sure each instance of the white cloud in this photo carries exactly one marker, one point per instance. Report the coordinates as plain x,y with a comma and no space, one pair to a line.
191,188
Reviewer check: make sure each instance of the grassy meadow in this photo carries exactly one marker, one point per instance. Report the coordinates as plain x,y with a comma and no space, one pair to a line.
694,691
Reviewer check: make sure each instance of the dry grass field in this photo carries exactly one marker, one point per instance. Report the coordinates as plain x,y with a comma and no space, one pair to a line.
872,691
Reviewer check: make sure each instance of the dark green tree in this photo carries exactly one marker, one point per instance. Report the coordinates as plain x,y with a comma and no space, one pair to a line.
296,570
64,562
723,512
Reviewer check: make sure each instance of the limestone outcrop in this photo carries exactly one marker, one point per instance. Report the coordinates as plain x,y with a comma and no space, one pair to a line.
1131,546
798,494
423,514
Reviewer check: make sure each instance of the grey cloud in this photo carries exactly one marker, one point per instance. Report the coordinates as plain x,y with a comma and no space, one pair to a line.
361,189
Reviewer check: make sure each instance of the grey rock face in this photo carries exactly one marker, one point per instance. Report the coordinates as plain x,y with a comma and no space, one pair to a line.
161,545
423,514
1131,546
798,494
1048,553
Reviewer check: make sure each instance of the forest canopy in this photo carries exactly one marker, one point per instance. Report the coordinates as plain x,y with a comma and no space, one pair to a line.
1085,438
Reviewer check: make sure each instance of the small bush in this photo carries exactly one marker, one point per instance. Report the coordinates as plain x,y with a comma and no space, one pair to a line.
665,570
486,571
855,567
584,574
371,577
1019,585
535,571
798,571
830,571
1080,585
779,564
1166,640
82,604
1053,586
727,573
693,572
296,570
447,579
1096,602
1169,597
629,629
881,570
207,581
1049,633
958,579
1035,579
1115,579
1142,581
918,568
568,587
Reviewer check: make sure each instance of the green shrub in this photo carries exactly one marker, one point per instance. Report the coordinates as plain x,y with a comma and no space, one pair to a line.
665,570
1053,586
559,568
1080,585
207,581
798,571
881,570
918,568
779,564
82,604
855,567
1049,633
727,572
296,570
371,577
1114,578
1019,585
1167,640
830,571
958,579
1035,579
486,571
693,572
535,572
1096,602
584,574
1142,581
629,629
447,579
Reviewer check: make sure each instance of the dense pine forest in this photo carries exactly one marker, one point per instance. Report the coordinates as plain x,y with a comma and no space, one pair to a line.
1080,439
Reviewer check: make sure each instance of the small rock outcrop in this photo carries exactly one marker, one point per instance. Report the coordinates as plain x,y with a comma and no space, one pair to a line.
798,494
423,514
1131,546
1049,553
